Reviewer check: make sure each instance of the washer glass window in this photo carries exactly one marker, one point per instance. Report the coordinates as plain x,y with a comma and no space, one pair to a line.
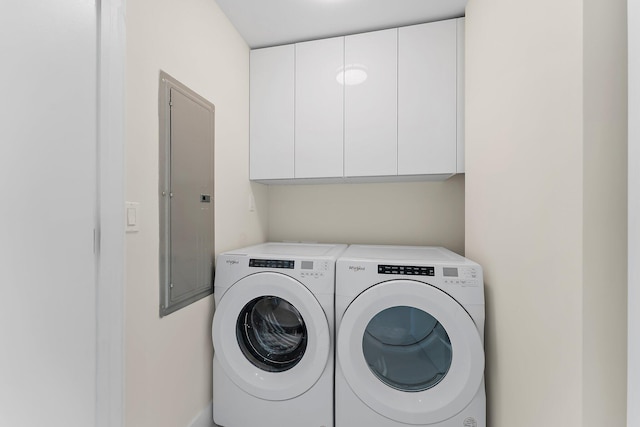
407,349
271,333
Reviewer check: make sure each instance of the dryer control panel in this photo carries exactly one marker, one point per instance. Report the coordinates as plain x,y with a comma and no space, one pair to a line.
409,270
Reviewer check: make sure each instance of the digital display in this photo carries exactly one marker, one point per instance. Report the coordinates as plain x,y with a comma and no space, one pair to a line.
271,263
306,265
407,270
450,272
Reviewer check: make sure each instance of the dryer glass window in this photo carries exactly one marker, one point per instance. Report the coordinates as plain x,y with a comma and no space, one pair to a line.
407,349
271,333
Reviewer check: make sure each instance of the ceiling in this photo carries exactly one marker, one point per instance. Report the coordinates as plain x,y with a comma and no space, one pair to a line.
274,22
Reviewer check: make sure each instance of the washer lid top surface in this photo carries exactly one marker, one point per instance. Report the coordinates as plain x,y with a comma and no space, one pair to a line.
375,366
292,250
231,348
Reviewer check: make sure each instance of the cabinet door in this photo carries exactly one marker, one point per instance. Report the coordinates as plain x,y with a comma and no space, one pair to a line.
319,129
371,104
427,98
272,113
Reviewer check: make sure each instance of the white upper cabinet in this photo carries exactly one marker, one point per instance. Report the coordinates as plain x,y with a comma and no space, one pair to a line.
272,113
319,109
385,105
370,103
427,105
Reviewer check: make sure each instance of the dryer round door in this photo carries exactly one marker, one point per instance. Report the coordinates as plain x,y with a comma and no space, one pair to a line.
410,352
271,336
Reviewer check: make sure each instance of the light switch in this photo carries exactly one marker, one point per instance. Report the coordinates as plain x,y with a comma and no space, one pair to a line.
131,217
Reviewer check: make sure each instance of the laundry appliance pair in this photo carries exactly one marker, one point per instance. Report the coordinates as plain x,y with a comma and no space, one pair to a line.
318,335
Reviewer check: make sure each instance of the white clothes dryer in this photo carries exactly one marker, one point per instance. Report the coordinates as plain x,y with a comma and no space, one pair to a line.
410,346
273,328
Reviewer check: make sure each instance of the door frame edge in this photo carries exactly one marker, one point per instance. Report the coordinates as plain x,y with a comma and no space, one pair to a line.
110,250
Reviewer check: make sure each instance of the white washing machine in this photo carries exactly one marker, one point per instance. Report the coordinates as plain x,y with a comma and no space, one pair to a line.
273,328
410,346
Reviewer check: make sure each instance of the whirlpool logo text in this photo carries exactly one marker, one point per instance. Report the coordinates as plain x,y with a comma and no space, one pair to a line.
356,268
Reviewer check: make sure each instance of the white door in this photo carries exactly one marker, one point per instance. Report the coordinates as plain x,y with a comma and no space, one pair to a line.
271,336
48,213
410,352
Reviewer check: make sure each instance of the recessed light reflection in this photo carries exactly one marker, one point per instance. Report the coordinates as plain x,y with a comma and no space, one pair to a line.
352,74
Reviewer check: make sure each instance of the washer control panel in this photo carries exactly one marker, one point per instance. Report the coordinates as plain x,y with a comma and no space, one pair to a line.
313,269
462,276
302,268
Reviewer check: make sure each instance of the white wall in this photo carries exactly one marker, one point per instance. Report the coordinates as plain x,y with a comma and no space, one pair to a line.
535,137
633,417
524,203
419,213
168,360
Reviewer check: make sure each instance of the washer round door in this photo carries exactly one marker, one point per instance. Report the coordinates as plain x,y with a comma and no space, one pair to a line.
410,352
271,336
